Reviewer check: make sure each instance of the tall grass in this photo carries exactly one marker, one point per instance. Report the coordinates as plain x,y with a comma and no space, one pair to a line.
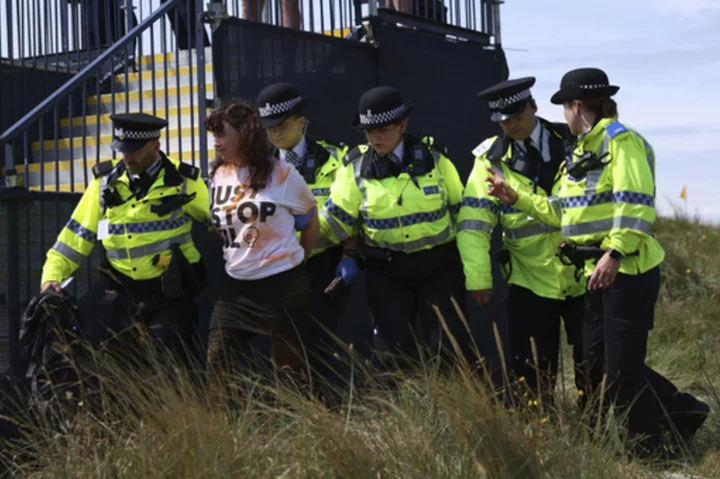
427,424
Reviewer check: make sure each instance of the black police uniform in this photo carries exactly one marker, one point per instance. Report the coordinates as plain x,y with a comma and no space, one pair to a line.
406,275
617,323
276,103
531,315
165,306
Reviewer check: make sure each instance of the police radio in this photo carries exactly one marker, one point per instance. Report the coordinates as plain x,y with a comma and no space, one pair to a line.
112,197
520,165
309,168
418,160
588,161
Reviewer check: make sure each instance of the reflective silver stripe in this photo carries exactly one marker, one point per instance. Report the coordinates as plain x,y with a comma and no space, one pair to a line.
414,245
650,156
70,253
475,225
148,249
441,178
530,230
599,226
322,243
636,224
591,227
593,176
497,166
556,205
334,226
360,181
103,185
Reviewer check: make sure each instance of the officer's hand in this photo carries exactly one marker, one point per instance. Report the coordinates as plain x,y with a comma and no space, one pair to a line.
482,296
348,269
51,284
604,273
498,188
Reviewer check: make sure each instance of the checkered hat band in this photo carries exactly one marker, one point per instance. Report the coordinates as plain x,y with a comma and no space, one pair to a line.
501,103
123,134
371,118
593,87
277,108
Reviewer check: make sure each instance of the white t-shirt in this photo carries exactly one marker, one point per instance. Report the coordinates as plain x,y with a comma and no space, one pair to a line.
258,228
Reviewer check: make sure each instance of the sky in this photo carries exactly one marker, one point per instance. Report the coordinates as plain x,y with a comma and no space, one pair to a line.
664,55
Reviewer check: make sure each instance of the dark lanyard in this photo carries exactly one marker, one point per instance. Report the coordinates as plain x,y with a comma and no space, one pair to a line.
541,144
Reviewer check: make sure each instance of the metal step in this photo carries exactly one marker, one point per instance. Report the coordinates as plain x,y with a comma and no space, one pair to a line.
91,127
164,98
160,61
181,76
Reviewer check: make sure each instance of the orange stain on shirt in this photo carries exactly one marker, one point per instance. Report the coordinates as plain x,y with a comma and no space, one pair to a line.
283,172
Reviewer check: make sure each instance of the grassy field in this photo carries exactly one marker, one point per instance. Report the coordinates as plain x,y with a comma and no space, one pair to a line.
430,426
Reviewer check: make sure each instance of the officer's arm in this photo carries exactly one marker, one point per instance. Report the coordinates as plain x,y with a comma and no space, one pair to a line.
77,239
341,211
453,186
633,194
199,207
476,221
542,208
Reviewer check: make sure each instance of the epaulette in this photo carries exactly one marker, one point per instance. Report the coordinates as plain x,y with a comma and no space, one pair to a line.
102,169
352,155
615,128
562,130
438,146
189,171
483,147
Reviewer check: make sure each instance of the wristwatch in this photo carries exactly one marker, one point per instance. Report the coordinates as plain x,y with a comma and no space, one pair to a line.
615,254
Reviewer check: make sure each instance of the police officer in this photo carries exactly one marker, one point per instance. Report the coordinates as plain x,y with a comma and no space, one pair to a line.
528,155
394,203
141,209
282,114
606,205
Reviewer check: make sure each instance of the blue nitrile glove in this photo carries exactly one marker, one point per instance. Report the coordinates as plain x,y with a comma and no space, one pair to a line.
348,269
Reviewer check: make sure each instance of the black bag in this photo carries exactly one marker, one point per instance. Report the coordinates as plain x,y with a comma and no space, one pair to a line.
56,348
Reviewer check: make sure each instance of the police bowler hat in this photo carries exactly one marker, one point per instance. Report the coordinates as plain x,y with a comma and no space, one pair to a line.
584,83
381,106
278,102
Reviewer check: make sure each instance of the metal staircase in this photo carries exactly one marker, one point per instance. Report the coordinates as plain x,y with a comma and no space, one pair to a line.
167,87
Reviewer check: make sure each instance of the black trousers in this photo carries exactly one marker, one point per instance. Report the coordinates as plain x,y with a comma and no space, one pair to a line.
325,311
276,306
128,310
617,322
401,295
532,316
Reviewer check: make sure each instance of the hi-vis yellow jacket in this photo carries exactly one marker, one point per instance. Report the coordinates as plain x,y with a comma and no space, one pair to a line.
611,205
327,160
531,243
130,230
414,211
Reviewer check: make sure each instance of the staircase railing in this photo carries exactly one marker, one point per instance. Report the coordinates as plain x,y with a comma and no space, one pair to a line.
56,144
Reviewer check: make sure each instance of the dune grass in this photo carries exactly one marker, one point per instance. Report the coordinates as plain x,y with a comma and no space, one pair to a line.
429,425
